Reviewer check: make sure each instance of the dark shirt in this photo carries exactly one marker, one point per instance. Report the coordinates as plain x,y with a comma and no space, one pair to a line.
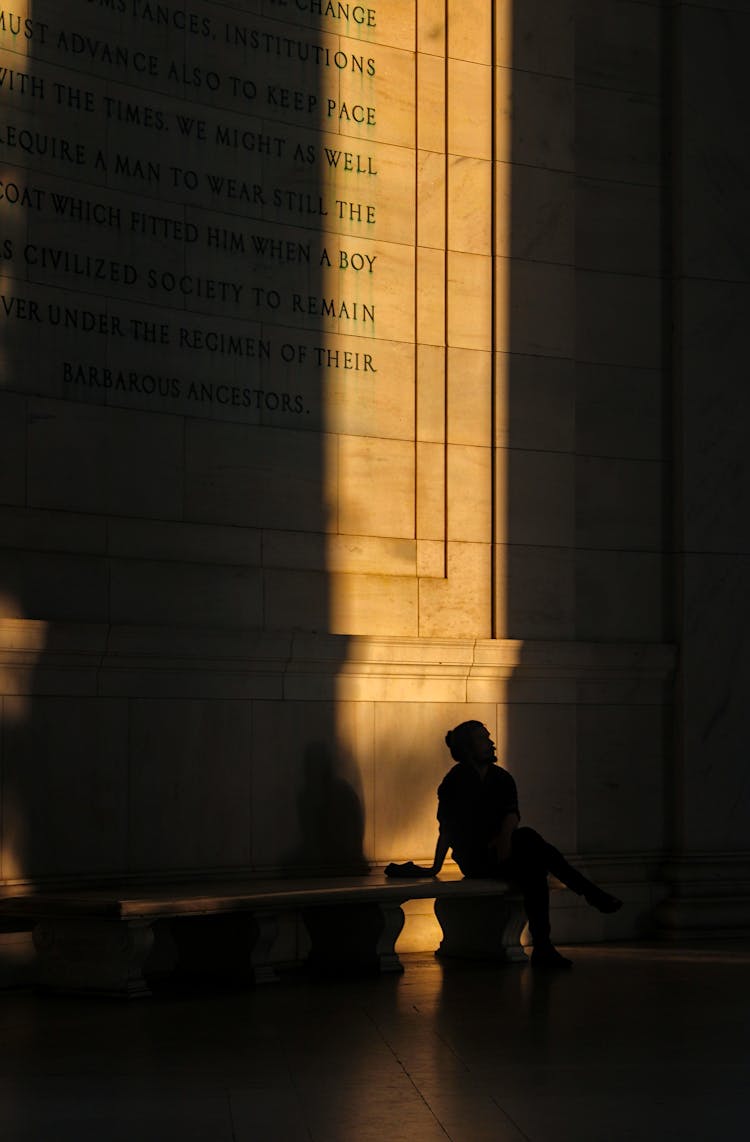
471,811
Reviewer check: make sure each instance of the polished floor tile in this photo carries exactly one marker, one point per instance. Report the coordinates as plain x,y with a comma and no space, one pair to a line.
637,1044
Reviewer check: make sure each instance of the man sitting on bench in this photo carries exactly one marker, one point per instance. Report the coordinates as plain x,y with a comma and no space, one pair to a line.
479,820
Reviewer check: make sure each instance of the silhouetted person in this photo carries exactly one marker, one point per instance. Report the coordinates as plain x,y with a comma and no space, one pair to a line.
479,820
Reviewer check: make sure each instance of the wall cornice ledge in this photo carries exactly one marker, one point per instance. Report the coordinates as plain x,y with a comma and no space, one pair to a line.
38,657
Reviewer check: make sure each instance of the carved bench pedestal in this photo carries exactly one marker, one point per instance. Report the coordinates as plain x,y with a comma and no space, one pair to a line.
231,948
482,928
350,938
99,956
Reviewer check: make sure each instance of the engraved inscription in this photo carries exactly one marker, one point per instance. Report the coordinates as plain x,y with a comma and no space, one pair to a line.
196,208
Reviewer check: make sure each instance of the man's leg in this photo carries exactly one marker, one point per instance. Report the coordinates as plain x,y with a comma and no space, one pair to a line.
532,858
532,852
528,867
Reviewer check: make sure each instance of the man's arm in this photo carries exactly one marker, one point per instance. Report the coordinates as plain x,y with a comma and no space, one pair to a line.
441,851
501,843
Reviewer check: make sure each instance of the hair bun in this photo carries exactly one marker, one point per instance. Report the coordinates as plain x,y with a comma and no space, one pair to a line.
459,739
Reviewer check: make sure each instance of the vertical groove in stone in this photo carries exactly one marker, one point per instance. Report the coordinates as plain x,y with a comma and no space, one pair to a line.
493,331
445,300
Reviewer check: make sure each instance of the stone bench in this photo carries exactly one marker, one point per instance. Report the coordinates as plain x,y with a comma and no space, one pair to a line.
100,940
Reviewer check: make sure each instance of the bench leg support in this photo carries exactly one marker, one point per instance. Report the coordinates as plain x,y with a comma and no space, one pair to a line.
100,957
231,949
482,928
351,938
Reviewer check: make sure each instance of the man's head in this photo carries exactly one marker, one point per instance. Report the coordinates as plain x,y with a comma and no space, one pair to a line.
471,742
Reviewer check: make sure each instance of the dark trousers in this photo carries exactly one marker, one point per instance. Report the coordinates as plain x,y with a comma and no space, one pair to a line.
531,859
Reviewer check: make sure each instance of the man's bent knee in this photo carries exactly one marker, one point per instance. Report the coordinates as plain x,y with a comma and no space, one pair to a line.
526,839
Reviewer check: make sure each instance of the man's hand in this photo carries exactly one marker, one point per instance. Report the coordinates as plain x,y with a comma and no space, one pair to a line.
409,868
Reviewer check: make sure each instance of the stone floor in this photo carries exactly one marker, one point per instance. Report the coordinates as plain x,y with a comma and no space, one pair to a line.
636,1043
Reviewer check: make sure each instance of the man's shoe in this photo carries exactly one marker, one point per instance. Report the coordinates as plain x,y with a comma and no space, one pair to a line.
547,958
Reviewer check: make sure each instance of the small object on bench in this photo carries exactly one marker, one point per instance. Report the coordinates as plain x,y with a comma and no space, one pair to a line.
99,941
406,870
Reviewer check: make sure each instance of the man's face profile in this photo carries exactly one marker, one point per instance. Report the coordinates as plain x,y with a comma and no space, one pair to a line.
482,746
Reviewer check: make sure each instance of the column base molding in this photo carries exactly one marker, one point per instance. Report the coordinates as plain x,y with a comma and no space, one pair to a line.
708,897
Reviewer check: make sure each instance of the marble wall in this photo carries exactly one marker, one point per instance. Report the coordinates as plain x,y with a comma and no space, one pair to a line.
336,406
710,873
